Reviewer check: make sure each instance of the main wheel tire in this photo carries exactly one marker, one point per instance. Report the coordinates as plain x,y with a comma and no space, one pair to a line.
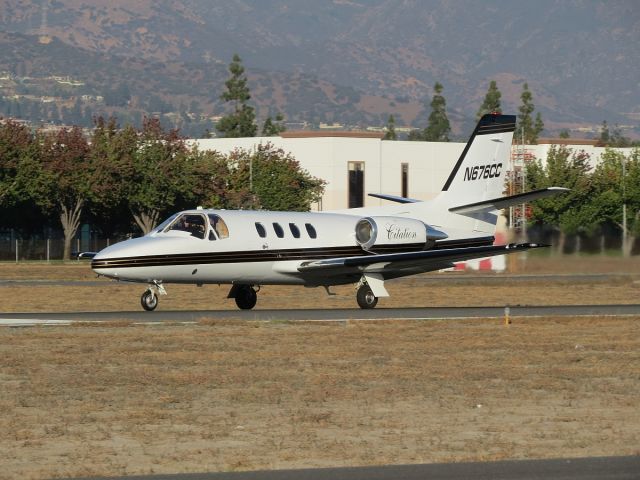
149,301
366,298
246,297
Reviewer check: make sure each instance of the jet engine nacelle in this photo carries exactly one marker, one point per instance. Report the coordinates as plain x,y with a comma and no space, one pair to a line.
375,231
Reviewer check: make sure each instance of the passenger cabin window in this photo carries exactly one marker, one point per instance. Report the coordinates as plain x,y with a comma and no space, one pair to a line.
310,230
278,229
261,230
219,226
194,223
295,231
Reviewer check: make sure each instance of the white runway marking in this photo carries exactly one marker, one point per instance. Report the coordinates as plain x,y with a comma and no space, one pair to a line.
29,322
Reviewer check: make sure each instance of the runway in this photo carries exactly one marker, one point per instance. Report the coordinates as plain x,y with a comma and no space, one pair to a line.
318,315
599,468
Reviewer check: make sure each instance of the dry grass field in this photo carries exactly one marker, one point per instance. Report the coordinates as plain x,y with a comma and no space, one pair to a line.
118,398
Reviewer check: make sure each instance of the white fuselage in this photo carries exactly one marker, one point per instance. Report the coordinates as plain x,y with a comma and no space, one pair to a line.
244,256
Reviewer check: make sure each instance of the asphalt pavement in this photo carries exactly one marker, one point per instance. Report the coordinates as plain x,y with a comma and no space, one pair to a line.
594,468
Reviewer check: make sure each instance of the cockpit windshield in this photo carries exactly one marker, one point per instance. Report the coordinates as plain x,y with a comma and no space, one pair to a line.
194,223
162,226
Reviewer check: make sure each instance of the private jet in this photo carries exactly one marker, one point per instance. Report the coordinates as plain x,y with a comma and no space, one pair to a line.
364,246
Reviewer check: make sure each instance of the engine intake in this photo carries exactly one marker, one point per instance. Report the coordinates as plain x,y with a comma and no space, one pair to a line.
375,231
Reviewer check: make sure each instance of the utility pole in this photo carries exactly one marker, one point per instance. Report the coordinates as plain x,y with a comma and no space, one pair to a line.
625,252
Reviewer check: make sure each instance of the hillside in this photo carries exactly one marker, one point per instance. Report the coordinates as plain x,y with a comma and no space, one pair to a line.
327,61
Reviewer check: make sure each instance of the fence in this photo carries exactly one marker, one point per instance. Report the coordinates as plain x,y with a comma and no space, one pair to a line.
17,249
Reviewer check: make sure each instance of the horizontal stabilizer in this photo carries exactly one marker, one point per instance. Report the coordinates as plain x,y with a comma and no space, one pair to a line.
86,255
394,198
503,202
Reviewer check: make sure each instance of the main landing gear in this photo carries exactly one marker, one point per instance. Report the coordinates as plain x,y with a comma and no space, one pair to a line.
365,296
245,296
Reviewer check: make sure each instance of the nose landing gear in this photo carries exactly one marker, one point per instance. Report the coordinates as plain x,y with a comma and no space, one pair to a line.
149,299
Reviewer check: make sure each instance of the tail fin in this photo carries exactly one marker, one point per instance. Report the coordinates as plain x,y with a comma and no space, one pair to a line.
480,169
479,173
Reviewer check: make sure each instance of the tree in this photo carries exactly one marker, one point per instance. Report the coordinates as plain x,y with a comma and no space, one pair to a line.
16,147
526,129
112,152
416,135
615,180
564,133
210,175
66,180
390,129
612,138
491,101
569,213
438,128
273,129
240,123
271,179
160,176
632,195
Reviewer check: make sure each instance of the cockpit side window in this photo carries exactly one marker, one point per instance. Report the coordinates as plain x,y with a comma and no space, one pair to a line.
194,223
219,225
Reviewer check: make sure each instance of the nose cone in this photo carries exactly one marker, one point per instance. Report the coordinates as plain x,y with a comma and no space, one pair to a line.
112,260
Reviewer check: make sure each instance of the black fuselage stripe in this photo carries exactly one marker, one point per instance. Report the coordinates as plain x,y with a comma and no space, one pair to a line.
275,255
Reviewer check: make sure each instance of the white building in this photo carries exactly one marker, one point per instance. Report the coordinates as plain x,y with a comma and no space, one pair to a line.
357,163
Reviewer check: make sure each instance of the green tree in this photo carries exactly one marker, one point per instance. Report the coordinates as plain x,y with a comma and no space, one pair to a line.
390,129
564,133
210,174
271,179
21,180
272,128
160,176
616,182
491,101
438,127
631,182
527,129
241,122
416,135
17,147
613,138
112,153
570,213
65,182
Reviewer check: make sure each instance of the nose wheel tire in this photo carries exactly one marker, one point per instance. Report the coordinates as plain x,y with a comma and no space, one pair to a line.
149,300
365,297
246,297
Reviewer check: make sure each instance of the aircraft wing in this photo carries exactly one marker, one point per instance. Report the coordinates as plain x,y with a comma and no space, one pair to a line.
394,264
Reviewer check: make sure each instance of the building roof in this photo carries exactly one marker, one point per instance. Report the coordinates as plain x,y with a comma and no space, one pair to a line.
321,134
568,141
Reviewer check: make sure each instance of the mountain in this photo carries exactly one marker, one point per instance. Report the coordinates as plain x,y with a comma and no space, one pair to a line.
352,61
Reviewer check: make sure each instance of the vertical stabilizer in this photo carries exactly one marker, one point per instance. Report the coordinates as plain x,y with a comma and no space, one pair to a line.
479,174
